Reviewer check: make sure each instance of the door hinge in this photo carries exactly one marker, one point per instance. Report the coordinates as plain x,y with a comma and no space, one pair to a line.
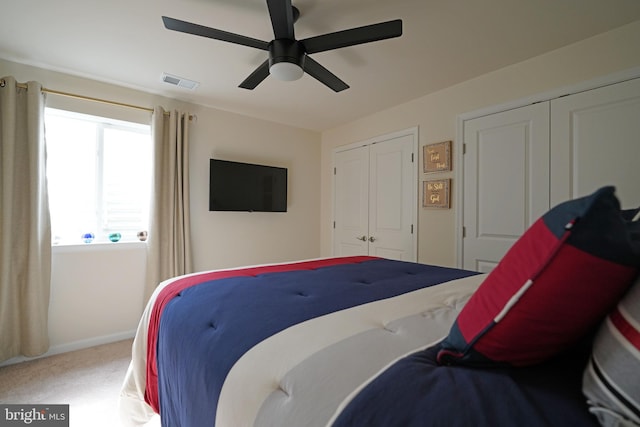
334,171
464,149
334,224
412,160
411,228
464,232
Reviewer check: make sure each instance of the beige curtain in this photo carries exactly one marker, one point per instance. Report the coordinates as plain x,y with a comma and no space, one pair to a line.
25,225
169,243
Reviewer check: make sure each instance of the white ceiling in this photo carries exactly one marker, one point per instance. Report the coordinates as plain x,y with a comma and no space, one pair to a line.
444,42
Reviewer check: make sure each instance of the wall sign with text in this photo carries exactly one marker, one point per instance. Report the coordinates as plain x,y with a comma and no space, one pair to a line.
436,193
436,157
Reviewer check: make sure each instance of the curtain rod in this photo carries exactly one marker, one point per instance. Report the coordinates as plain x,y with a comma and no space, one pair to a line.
90,98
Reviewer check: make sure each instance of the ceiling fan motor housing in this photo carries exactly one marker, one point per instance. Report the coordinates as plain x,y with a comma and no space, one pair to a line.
284,53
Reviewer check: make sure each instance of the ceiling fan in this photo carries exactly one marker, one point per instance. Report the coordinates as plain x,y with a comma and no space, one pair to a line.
289,58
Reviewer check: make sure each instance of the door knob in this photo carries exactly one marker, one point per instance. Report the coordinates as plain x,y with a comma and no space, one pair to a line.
372,239
363,238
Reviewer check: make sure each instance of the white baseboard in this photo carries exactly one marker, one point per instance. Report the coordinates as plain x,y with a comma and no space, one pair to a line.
73,346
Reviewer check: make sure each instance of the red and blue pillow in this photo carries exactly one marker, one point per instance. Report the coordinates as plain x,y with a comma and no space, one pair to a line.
552,288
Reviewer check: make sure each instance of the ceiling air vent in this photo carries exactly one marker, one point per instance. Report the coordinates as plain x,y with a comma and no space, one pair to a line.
179,81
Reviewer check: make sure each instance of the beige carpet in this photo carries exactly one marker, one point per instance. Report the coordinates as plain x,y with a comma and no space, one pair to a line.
88,380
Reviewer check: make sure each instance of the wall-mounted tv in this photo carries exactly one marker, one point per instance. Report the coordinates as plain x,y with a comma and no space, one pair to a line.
235,186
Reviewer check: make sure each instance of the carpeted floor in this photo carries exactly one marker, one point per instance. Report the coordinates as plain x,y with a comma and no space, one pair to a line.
88,380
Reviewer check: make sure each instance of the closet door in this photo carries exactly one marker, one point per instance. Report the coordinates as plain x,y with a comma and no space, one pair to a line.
506,181
375,199
351,202
595,141
392,194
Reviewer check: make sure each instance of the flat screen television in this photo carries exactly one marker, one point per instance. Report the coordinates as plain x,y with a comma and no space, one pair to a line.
235,186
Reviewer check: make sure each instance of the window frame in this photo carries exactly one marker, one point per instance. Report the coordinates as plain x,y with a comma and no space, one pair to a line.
101,222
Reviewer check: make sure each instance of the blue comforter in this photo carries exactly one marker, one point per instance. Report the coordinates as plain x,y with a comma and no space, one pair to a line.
416,392
215,340
218,321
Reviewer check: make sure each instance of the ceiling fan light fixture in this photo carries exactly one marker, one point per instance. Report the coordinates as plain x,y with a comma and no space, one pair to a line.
286,59
286,71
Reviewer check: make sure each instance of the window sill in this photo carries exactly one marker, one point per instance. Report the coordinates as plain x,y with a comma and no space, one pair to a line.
97,246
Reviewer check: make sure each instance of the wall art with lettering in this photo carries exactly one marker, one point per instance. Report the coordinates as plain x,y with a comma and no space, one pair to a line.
436,157
436,193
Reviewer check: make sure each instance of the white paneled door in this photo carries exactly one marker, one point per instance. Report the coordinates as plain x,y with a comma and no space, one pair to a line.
521,162
351,202
376,199
506,181
595,140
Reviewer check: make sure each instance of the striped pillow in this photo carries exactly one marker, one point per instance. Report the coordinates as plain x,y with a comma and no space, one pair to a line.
612,377
554,286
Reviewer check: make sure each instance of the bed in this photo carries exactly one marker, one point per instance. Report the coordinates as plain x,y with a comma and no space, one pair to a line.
367,341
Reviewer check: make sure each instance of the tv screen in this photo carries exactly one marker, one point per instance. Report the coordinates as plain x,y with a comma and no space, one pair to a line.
235,186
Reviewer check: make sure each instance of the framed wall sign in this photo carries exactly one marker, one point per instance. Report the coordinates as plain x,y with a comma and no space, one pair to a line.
436,193
436,157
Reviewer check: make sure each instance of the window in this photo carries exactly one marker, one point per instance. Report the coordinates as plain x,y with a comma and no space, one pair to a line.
99,176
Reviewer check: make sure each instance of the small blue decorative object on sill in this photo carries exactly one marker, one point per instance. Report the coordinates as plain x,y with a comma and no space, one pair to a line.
114,237
88,237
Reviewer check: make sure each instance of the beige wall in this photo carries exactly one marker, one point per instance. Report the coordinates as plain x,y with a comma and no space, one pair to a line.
229,239
436,116
79,310
97,292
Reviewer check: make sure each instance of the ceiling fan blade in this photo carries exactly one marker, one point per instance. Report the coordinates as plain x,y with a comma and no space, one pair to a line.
281,14
354,36
324,76
255,78
212,33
